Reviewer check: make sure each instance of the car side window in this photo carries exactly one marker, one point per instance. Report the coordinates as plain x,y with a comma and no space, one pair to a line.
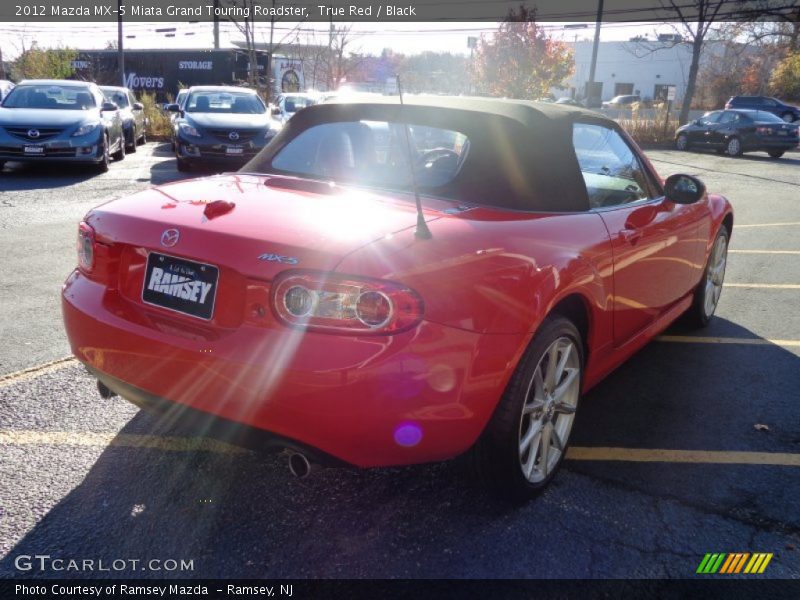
727,117
611,170
709,118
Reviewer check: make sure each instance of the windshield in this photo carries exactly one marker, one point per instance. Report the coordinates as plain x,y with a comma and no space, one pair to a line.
60,97
181,97
118,97
374,154
224,102
295,103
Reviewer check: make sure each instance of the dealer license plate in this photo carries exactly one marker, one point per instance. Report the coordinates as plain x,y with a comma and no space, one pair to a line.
33,149
181,285
234,150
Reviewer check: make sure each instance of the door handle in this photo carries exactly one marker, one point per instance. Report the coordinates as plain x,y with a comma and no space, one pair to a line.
632,236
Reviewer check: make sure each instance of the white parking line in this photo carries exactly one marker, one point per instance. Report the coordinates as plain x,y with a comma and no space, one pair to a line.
769,286
737,227
763,251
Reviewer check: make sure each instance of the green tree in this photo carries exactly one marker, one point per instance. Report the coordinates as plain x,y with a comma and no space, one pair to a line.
785,80
53,63
521,60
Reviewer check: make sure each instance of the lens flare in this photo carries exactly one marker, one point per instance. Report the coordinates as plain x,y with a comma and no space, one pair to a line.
408,434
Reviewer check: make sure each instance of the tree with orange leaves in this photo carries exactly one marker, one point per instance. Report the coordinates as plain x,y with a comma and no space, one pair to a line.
521,60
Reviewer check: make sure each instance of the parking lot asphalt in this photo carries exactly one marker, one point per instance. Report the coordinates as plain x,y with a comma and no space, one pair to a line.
692,447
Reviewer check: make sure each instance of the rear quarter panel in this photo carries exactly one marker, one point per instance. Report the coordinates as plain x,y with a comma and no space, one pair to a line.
500,272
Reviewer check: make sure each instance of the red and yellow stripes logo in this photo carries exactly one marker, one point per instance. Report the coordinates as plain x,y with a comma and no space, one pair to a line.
735,562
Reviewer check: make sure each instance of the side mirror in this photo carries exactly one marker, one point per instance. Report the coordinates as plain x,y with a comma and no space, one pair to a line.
276,111
108,107
684,189
138,106
173,108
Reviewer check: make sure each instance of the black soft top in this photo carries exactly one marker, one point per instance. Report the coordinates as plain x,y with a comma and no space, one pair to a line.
521,153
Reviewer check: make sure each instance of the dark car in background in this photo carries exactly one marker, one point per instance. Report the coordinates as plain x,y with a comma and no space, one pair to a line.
787,112
180,100
131,111
220,125
54,120
738,131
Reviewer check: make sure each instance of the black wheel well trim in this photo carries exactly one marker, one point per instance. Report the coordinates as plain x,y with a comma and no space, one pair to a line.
727,223
574,308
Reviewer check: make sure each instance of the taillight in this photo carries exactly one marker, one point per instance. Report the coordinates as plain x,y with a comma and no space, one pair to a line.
85,246
333,303
764,130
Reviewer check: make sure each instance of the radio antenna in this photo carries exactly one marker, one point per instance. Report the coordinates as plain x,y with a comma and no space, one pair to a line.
422,231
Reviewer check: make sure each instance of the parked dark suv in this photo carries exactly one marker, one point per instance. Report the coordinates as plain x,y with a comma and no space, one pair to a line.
787,112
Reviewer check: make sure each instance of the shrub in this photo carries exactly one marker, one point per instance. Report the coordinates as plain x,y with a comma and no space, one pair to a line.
650,131
159,124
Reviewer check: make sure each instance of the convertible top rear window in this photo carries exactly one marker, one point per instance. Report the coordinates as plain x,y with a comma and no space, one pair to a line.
375,154
471,152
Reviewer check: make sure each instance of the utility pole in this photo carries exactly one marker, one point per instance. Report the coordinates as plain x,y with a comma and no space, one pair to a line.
216,25
120,50
330,56
590,85
269,56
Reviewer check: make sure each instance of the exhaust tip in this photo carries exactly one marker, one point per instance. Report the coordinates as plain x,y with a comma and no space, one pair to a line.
299,466
105,393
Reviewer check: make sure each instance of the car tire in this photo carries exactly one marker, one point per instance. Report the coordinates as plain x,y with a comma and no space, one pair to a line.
788,117
183,166
525,441
734,147
682,142
776,153
131,143
707,293
120,154
103,165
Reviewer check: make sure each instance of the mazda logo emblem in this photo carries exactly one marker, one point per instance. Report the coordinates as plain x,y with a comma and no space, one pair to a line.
33,133
233,136
170,237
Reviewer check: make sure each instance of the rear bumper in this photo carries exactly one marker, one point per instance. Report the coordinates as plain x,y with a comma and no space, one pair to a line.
207,425
418,396
772,144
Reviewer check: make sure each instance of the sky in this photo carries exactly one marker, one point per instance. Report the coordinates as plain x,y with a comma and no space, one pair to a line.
370,38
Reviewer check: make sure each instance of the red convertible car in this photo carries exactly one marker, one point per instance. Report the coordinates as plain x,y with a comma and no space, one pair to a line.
388,283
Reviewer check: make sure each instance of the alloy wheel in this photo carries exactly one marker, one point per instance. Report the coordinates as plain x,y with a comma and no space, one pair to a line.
682,143
715,275
549,409
734,147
